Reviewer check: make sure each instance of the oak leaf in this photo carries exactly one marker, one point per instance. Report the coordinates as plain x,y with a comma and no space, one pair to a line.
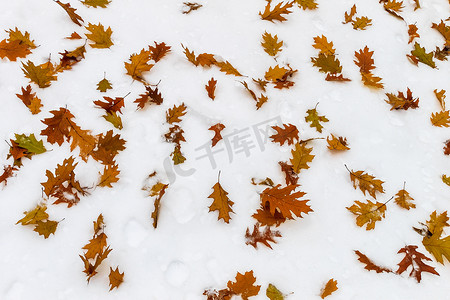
276,14
115,278
290,176
190,55
393,5
438,247
366,183
111,105
368,213
174,114
263,237
138,64
440,96
157,190
23,38
74,36
244,285
30,143
7,173
159,51
336,77
58,126
415,260
95,245
114,119
41,75
221,202
412,32
271,44
30,100
404,199
329,288
444,30
13,50
96,3
327,63
371,80
337,143
217,128
33,216
348,17
190,6
276,73
287,135
110,175
206,60
370,265
285,201
175,135
46,228
107,147
401,101
321,43
100,36
71,12
177,155
364,60
273,293
266,218
104,85
151,96
361,23
437,223
440,119
211,88
420,54
301,156
447,147
227,68
83,139
312,116
307,4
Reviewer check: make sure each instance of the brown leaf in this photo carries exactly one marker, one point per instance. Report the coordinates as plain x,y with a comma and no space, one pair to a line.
401,101
190,55
175,135
13,50
152,96
217,128
206,59
263,237
414,259
412,32
177,156
329,288
321,43
440,96
221,203
159,51
115,278
110,175
174,114
99,35
157,190
108,146
111,105
335,77
337,143
301,156
46,228
71,12
211,88
138,65
190,6
307,4
227,68
23,38
83,139
361,23
440,119
74,36
276,14
244,285
368,213
270,44
288,134
349,15
404,200
290,176
26,96
95,246
58,126
447,147
7,173
366,183
42,75
370,265
364,60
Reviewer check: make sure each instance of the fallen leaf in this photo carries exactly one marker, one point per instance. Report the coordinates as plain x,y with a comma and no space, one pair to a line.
440,119
244,285
151,96
71,12
138,64
348,17
211,88
315,120
110,175
301,156
285,201
227,68
276,14
288,134
74,36
217,128
104,85
7,173
366,183
368,213
40,75
321,43
263,237
221,203
307,4
174,114
58,126
327,63
337,143
370,265
177,156
13,50
96,3
412,32
420,54
157,190
329,288
361,23
33,216
290,176
190,6
23,38
100,36
46,228
111,105
414,259
115,278
404,199
159,51
400,101
445,179
271,44
273,293
440,96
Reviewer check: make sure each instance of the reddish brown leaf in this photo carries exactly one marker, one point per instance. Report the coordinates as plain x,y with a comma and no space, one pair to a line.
58,126
244,285
74,36
290,176
447,147
217,128
71,12
159,51
111,105
7,173
13,50
401,101
265,218
412,32
211,88
108,146
26,96
115,278
263,237
287,135
152,96
221,203
277,12
370,265
414,259
175,135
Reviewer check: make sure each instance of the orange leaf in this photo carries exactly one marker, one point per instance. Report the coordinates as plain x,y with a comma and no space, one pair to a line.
13,50
115,278
95,246
71,12
301,156
285,201
111,105
337,143
329,288
404,200
368,213
364,60
211,87
244,285
221,203
366,183
263,237
7,173
206,60
138,64
441,119
157,190
401,101
227,68
370,265
58,126
174,114
110,175
412,32
287,135
27,95
322,44
277,13
159,51
217,128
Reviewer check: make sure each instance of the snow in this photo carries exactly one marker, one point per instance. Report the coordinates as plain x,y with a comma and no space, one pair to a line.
190,250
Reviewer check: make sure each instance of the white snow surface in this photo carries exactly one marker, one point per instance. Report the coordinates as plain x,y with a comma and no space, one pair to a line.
191,250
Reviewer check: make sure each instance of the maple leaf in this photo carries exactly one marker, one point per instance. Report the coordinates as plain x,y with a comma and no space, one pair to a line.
152,96
366,183
217,128
104,85
412,32
314,118
404,199
111,105
321,43
414,259
369,213
71,12
348,17
211,88
23,38
263,237
174,114
13,50
288,134
440,119
96,3
100,36
159,51
370,265
244,285
301,157
307,4
221,202
440,95
110,175
290,176
277,13
361,23
40,75
329,288
227,68
337,143
285,201
115,278
270,44
46,228
420,54
7,173
58,126
401,101
138,64
327,63
273,293
157,190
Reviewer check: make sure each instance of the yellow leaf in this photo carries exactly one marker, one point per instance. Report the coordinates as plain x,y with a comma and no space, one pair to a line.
138,64
114,119
301,157
35,215
177,156
307,4
96,3
438,247
221,203
422,56
24,38
35,106
440,119
327,63
445,179
110,175
100,36
393,5
40,75
314,118
371,80
337,143
366,183
437,223
273,293
227,68
348,17
329,288
275,73
322,44
441,97
368,213
361,23
270,44
46,228
404,200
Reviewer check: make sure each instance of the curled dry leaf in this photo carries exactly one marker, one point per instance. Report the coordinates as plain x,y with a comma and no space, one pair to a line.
151,96
263,237
71,12
400,101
